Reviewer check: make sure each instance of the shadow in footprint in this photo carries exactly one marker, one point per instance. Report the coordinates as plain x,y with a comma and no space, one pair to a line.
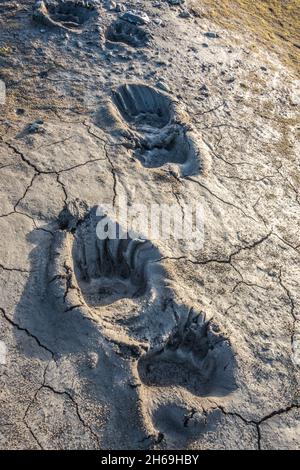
194,358
181,427
88,270
127,33
151,123
70,14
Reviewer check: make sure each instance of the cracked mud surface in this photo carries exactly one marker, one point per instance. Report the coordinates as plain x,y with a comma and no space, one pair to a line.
141,346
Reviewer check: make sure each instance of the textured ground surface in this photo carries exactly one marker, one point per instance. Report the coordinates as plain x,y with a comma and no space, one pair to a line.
116,374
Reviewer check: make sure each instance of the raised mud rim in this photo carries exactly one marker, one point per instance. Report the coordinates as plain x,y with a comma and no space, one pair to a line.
84,271
70,15
156,128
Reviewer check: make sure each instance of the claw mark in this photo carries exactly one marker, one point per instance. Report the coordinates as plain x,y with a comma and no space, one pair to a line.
151,123
192,357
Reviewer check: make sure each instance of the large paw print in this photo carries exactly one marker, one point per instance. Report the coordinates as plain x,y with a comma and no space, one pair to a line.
193,357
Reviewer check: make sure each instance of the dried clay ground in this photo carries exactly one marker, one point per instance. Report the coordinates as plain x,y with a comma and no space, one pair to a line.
134,345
